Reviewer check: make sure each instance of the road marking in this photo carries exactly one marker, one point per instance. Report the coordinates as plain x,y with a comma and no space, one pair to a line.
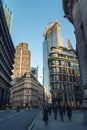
10,116
1,120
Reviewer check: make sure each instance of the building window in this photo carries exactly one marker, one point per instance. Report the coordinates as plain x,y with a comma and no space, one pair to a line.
53,62
64,77
60,76
63,70
62,63
69,64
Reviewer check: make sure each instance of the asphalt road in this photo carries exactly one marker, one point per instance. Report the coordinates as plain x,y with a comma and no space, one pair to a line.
12,120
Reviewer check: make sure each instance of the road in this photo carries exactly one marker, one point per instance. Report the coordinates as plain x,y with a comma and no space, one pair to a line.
12,120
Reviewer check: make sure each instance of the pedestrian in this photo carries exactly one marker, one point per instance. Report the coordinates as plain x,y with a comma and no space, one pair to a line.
55,109
49,110
69,111
64,109
45,114
61,112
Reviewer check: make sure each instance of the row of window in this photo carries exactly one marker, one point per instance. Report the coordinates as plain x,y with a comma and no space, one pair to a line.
62,55
64,63
61,86
63,78
63,70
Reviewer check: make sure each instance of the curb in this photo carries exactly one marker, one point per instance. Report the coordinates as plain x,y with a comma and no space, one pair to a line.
33,123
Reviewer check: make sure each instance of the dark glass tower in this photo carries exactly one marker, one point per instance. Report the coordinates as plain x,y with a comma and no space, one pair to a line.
7,51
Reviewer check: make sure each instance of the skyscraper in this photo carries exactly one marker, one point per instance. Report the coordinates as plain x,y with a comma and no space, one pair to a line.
22,60
7,51
8,15
52,38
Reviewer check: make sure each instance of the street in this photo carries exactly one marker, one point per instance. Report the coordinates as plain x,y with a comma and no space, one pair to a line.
12,120
76,123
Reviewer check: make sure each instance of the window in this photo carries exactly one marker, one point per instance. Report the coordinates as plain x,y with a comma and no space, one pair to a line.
62,63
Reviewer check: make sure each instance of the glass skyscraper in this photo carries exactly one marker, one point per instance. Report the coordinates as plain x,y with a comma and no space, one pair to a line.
8,15
52,38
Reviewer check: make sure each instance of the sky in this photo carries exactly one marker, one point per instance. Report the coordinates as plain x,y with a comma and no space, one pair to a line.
30,18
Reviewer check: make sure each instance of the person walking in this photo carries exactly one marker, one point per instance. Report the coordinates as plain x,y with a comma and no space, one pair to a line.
61,112
55,109
69,111
49,110
45,114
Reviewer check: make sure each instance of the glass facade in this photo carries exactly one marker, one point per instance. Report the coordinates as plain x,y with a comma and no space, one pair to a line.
52,38
7,51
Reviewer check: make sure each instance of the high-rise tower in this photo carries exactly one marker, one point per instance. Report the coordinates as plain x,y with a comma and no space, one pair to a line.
7,51
8,15
22,60
52,38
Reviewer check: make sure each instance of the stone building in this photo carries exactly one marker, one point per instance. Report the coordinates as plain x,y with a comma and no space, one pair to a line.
26,91
76,12
22,60
7,51
64,72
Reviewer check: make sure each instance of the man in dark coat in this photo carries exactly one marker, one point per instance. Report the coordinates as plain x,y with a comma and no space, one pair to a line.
69,112
45,114
55,109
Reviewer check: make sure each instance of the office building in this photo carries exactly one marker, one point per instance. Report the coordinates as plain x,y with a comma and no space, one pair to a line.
52,38
8,15
22,60
26,91
64,72
7,51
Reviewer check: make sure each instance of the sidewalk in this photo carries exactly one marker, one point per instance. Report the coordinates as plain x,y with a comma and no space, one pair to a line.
74,124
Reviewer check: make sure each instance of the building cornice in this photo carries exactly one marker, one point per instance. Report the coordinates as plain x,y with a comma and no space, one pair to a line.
68,7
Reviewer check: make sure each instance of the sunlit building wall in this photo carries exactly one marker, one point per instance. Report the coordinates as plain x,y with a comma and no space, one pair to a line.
22,60
64,72
26,91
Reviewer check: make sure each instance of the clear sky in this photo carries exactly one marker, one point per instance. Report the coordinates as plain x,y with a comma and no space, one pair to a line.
30,18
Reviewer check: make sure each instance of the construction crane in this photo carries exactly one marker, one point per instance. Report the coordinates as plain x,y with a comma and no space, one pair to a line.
56,21
36,64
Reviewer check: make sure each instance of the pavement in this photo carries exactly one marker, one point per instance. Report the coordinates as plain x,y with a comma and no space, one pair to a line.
77,122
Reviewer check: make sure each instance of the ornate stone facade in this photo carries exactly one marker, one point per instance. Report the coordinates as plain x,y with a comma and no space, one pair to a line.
26,91
64,73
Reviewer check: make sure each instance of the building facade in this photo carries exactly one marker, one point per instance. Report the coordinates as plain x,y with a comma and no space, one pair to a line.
8,15
26,91
76,12
64,72
52,38
7,51
22,60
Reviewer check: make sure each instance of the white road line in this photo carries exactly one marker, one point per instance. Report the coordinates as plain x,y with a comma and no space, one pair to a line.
10,116
1,120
